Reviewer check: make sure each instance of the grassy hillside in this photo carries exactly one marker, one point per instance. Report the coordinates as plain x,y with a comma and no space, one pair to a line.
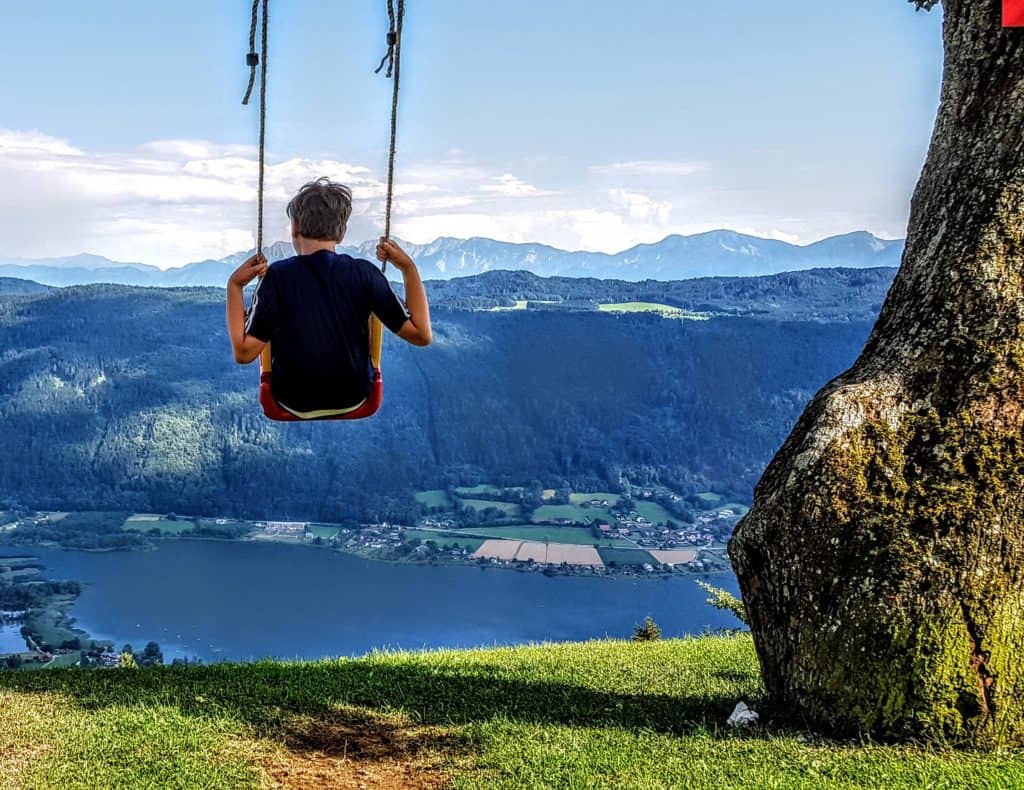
599,714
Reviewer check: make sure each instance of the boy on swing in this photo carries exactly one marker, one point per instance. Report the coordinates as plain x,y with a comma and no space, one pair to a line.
316,306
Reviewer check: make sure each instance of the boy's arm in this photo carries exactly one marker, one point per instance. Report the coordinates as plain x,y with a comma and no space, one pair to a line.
245,347
417,329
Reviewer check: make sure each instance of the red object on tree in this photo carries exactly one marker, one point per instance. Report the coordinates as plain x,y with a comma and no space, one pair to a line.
1013,13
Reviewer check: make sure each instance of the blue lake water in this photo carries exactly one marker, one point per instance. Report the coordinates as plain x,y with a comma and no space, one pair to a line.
11,640
243,601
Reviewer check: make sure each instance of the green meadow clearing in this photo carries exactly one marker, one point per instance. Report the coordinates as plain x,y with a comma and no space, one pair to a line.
509,509
436,497
577,513
656,513
445,540
144,522
625,556
578,536
601,714
325,531
664,310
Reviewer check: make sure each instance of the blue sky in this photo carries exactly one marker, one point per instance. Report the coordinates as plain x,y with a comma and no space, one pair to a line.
591,124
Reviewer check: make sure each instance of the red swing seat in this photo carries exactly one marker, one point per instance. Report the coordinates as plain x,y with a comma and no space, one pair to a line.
275,411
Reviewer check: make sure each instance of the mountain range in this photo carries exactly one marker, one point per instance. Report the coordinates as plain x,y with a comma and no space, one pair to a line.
720,253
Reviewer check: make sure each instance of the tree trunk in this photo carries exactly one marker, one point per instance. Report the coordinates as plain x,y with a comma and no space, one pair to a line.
882,563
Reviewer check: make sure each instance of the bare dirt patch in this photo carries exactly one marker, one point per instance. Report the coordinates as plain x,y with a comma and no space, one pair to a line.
349,749
557,553
498,549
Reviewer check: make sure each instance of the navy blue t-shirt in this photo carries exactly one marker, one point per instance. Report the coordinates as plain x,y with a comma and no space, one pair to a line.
314,310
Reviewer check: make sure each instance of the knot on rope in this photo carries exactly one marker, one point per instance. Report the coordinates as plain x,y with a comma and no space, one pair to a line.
252,60
392,39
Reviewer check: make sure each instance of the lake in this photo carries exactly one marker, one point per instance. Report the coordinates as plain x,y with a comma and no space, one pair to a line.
10,638
243,600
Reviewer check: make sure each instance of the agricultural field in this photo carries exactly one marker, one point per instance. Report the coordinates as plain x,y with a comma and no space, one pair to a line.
624,556
557,553
436,497
709,498
577,513
664,310
519,305
475,491
543,553
325,531
585,497
657,514
498,549
446,540
674,556
735,507
144,522
576,535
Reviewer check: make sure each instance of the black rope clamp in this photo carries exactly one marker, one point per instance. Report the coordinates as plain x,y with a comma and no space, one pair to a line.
252,59
392,38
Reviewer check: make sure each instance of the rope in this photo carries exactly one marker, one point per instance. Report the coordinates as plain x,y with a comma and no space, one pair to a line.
393,60
254,59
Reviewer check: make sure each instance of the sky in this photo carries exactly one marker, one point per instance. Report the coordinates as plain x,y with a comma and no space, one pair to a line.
585,124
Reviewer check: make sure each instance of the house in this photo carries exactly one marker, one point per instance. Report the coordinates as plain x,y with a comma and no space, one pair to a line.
294,528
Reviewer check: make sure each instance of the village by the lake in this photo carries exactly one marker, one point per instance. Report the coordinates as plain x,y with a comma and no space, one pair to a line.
639,532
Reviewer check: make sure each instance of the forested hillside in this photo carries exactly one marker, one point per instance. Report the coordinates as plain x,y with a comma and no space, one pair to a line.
126,398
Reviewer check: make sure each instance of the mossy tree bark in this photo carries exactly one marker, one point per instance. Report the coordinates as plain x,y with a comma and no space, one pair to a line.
882,563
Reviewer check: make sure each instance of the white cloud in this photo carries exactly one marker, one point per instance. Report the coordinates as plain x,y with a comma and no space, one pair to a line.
642,207
508,184
15,143
652,167
168,202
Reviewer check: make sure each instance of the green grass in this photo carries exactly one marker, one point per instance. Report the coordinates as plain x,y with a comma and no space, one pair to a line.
664,310
144,522
445,540
577,513
480,490
48,623
656,514
589,715
510,509
436,497
709,498
583,497
575,535
324,531
625,556
735,507
520,304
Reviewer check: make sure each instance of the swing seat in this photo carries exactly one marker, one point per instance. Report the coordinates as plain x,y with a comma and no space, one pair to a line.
275,411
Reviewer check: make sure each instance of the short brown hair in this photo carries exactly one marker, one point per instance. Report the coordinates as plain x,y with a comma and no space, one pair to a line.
322,208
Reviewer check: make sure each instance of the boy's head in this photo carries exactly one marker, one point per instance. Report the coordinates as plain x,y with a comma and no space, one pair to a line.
320,211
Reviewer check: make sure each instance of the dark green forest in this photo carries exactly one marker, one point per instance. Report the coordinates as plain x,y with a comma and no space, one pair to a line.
121,398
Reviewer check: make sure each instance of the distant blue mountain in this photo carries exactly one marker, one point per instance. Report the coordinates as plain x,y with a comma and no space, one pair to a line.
10,286
719,253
